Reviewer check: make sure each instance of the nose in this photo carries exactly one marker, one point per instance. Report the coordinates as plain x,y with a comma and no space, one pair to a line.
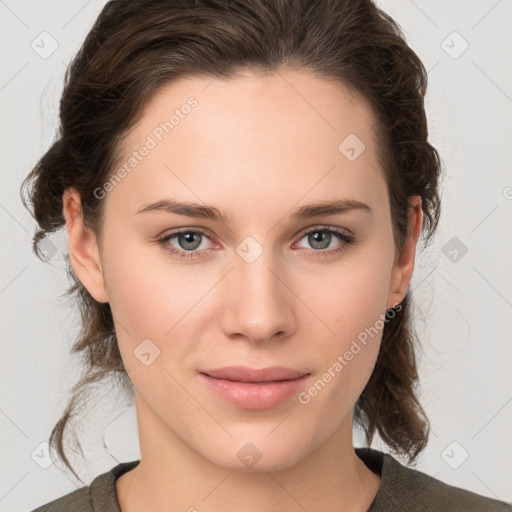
259,305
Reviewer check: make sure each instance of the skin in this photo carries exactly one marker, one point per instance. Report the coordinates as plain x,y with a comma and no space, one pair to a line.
257,148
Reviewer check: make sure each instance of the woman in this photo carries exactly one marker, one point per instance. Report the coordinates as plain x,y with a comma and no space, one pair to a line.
243,185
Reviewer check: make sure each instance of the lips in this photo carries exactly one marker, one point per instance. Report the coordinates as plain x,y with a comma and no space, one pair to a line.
250,388
252,375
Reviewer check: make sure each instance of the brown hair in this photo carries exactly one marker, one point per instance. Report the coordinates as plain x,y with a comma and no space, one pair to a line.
137,46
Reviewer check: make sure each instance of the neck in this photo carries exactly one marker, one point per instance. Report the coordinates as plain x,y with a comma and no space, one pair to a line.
171,474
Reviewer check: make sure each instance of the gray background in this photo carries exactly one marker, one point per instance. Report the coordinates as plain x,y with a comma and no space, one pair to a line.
463,299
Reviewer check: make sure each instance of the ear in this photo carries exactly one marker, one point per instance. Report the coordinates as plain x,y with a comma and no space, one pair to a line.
82,247
404,262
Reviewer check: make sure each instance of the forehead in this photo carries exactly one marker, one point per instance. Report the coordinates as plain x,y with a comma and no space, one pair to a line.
294,103
254,133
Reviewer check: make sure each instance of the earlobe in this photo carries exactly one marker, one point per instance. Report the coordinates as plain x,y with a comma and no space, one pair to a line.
404,264
83,248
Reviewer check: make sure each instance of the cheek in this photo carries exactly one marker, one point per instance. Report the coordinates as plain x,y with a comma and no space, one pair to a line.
351,305
157,307
146,296
352,296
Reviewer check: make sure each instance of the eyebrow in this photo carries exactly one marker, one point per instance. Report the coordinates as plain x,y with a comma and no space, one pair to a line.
202,211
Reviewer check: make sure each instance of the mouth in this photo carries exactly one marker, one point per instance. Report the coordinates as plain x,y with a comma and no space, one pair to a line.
250,388
253,375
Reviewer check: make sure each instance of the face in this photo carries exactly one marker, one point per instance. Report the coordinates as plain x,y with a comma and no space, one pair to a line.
269,283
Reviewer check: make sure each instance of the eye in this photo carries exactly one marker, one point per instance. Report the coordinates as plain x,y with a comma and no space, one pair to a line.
191,243
188,241
321,238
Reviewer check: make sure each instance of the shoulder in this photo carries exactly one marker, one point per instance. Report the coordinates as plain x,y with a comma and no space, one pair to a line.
79,501
403,488
99,496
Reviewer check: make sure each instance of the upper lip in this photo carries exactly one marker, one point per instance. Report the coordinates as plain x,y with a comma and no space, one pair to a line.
247,374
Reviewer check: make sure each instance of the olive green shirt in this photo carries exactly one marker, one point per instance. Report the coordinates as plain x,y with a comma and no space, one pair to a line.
401,489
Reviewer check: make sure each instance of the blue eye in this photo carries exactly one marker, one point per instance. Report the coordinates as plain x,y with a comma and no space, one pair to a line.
322,237
191,240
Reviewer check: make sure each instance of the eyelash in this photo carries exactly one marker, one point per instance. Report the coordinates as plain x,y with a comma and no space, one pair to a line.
343,237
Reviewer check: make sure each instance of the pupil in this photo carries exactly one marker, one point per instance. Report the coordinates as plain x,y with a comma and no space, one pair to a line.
318,236
189,239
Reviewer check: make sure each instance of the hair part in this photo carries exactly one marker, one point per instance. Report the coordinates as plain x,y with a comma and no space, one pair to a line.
136,47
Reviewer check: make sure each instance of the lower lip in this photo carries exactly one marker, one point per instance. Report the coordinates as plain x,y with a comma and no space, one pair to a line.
253,395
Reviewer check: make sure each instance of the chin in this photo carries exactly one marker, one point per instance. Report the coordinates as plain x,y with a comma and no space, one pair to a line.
254,454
